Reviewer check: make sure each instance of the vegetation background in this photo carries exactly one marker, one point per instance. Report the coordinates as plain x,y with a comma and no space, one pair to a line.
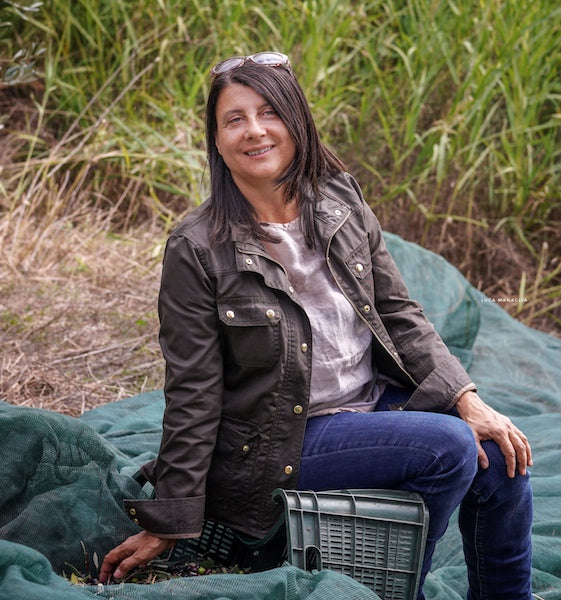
447,111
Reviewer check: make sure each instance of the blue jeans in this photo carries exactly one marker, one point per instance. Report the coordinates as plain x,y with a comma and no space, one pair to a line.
435,455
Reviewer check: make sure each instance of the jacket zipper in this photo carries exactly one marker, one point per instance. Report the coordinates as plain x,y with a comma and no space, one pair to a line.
343,221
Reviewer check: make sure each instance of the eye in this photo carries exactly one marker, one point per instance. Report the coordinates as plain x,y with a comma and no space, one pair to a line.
234,120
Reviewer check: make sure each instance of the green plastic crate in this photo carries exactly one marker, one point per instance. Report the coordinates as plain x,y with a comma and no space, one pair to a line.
229,547
377,537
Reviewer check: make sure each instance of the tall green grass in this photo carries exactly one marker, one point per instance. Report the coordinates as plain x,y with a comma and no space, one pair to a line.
450,107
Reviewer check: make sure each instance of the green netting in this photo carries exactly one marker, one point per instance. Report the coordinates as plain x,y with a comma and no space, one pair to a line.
62,479
61,491
25,574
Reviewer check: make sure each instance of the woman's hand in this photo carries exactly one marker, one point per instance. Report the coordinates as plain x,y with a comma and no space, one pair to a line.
487,424
134,552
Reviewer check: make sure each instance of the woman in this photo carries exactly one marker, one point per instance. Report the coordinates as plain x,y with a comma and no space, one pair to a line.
287,331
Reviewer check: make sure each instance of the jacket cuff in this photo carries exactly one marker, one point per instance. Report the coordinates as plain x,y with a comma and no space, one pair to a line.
168,517
441,389
470,387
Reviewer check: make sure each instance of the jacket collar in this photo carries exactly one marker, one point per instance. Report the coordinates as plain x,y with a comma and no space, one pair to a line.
329,213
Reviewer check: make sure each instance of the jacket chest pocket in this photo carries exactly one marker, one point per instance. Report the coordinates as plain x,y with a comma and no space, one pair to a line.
251,330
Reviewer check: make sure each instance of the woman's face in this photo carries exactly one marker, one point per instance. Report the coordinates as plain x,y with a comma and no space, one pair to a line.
250,136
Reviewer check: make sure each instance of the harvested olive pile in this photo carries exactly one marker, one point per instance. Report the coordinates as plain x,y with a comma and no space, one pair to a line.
161,570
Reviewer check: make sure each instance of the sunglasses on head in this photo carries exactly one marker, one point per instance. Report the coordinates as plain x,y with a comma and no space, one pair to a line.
268,59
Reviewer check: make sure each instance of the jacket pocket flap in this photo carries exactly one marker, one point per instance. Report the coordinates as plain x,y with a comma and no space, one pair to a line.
359,262
250,311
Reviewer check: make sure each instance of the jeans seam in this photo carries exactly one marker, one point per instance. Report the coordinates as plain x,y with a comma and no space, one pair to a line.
481,575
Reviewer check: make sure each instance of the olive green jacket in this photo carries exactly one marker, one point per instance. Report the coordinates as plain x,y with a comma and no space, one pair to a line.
238,349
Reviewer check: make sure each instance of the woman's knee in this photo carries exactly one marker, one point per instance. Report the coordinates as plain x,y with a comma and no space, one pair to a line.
457,445
495,482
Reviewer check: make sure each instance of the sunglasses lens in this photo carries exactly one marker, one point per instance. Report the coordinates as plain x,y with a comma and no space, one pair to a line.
228,65
270,58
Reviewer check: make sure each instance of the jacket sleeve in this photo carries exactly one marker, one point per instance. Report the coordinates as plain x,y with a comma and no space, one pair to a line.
439,376
189,339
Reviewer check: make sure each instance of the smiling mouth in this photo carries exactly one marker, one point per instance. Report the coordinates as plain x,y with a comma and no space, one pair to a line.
258,152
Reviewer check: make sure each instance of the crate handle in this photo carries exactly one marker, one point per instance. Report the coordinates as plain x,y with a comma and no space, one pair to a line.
312,559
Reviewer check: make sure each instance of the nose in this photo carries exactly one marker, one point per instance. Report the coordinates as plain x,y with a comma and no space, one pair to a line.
254,128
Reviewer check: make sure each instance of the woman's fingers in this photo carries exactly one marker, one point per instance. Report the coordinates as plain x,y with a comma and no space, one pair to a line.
522,449
134,552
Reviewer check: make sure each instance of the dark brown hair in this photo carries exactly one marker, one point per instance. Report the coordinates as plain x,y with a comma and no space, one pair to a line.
312,162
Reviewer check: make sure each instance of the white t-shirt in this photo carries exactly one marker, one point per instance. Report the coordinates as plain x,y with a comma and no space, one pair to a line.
343,377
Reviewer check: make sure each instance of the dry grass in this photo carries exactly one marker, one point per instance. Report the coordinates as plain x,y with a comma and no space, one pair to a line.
82,330
78,313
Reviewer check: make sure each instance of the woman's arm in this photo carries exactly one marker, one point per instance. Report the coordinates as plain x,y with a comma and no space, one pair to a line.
193,389
439,376
442,381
